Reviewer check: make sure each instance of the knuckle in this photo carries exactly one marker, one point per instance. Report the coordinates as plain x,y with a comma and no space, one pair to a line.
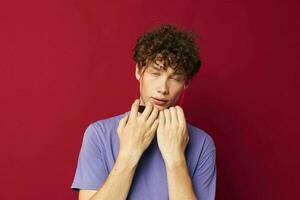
135,103
149,105
179,108
176,126
180,128
141,120
133,106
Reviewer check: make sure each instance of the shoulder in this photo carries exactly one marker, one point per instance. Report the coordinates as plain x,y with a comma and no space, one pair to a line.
103,128
107,123
199,137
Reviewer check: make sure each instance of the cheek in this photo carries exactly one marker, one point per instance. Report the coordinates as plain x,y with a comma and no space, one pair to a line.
146,88
176,93
176,90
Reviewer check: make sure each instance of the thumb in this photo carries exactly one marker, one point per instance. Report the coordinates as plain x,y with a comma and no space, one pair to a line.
123,122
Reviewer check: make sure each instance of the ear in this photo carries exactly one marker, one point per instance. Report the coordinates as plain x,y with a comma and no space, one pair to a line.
186,85
137,74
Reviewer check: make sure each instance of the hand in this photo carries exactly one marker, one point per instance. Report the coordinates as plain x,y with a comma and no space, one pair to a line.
137,130
172,134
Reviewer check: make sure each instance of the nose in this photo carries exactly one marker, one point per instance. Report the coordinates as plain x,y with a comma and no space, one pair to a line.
163,86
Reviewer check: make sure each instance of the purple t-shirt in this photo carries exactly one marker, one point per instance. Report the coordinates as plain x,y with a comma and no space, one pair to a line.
100,148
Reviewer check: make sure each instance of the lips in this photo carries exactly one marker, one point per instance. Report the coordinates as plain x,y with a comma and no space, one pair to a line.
159,101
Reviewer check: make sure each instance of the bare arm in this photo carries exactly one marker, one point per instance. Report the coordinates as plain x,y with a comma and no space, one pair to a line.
179,181
118,183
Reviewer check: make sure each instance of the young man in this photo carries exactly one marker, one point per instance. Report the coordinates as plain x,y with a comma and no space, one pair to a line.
152,154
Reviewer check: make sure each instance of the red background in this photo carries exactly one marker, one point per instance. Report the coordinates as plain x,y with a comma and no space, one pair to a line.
65,64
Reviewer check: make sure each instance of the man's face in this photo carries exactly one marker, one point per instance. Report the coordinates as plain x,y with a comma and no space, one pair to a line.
159,85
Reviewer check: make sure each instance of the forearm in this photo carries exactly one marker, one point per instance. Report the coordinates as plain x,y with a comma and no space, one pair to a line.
118,182
179,181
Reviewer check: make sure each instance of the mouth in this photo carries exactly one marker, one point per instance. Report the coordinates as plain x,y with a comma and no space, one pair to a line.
159,102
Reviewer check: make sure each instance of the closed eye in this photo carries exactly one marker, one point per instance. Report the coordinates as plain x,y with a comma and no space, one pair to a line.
155,74
177,78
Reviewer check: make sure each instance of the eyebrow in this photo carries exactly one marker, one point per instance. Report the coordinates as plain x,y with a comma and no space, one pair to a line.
156,68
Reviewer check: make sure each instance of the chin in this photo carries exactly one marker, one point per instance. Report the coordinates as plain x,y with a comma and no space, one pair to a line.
160,107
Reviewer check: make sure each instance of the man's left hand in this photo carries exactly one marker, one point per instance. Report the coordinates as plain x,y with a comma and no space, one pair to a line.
172,134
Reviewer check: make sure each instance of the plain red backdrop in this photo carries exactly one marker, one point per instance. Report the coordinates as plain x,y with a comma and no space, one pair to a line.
65,64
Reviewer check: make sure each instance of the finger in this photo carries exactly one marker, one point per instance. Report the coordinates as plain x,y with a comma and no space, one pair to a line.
161,118
154,126
147,111
152,131
153,116
181,117
173,112
123,122
167,117
134,109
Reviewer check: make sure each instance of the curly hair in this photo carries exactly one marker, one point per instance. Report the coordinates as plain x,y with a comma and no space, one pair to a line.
176,48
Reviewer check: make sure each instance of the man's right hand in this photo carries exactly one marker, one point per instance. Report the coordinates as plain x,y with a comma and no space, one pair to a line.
137,130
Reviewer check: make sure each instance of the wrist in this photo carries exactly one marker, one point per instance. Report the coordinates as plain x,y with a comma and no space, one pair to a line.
131,158
175,161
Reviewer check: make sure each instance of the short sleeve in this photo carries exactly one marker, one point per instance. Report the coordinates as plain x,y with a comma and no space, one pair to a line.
204,179
91,171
